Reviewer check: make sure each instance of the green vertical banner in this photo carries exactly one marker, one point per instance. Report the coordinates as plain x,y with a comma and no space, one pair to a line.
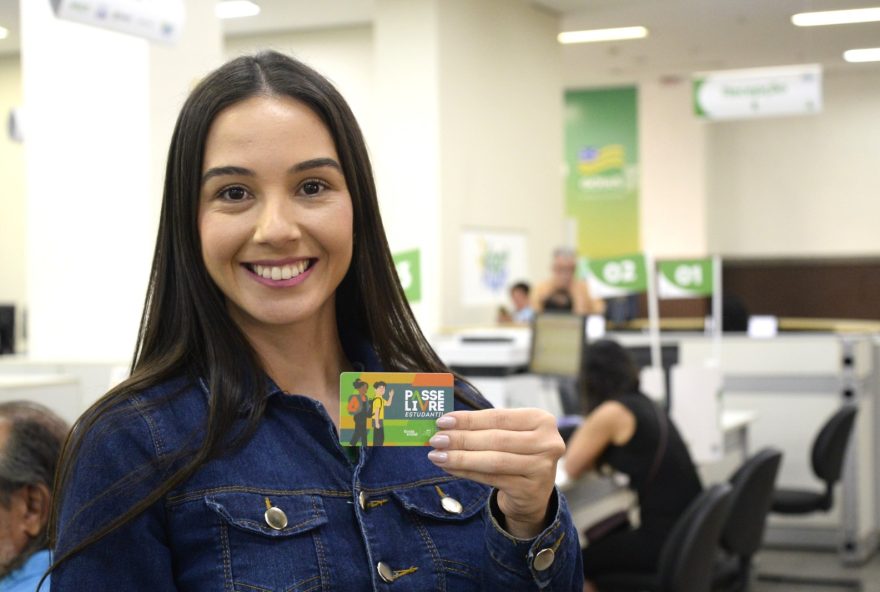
602,184
685,278
616,276
408,264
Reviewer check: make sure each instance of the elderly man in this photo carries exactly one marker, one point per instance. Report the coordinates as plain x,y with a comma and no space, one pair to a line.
563,292
31,438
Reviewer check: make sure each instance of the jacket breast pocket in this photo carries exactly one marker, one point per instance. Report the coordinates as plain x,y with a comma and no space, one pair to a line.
271,543
450,514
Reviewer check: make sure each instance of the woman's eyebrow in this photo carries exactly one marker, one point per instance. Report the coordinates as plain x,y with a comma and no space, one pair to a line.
314,163
226,170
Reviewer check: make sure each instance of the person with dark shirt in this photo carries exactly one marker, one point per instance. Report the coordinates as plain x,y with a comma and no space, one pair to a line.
361,414
631,434
563,292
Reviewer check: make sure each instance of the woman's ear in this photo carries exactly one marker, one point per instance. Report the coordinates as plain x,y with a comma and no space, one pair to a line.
37,501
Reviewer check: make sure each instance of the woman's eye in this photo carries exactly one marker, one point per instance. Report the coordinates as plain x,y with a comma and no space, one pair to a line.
312,188
234,193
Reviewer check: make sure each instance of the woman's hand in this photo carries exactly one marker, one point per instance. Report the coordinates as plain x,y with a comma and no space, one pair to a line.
513,450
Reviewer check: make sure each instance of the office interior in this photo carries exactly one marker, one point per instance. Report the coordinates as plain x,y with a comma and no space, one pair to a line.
462,105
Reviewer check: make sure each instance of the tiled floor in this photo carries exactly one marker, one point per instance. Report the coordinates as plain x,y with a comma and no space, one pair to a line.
812,563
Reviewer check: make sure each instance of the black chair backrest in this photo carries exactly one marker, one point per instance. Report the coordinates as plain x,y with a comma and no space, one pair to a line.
830,445
688,555
750,502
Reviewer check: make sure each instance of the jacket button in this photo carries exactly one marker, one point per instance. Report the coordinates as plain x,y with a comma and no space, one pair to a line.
276,518
543,559
451,505
362,500
385,572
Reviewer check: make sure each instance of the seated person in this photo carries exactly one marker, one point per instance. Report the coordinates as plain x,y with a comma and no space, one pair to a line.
563,292
630,433
522,309
31,438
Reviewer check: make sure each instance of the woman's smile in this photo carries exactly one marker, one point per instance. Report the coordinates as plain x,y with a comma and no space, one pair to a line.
279,273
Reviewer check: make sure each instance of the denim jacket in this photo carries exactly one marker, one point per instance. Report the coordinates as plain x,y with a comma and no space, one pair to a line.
375,523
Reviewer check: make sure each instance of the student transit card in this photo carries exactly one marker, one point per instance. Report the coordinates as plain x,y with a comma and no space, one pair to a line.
392,408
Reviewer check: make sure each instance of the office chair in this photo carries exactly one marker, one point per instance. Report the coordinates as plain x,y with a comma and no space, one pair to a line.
688,555
751,497
827,456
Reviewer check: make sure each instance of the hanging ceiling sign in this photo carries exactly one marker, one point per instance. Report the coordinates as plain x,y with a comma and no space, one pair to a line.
156,20
758,92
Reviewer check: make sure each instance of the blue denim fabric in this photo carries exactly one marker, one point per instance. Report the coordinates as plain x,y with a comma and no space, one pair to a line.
211,533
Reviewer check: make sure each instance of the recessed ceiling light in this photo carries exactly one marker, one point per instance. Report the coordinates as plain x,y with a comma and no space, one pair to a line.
594,35
836,17
230,9
4,33
871,54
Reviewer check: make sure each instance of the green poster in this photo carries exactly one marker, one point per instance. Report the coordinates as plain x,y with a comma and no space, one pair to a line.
408,264
602,184
616,276
685,278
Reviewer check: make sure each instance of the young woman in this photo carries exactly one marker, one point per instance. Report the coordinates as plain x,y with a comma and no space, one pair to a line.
630,433
217,464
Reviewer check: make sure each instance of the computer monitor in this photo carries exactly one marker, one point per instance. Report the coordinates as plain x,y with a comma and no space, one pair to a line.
558,342
7,329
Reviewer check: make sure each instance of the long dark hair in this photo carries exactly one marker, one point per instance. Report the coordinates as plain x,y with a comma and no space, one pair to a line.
609,372
185,328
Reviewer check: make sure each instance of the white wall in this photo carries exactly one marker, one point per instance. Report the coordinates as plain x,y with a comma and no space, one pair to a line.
800,186
672,154
93,163
501,121
344,55
174,71
12,201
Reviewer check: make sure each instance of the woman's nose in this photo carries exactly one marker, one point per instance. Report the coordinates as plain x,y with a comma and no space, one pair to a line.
278,222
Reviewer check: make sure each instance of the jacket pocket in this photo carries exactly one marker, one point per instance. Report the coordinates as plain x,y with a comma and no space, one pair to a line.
467,499
271,550
451,515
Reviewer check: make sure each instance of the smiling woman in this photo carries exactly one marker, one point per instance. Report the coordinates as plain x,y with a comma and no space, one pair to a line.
275,215
217,465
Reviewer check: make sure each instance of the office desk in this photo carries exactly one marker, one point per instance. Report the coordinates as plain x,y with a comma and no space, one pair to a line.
595,496
795,382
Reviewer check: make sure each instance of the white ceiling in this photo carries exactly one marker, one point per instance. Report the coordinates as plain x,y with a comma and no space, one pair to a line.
685,35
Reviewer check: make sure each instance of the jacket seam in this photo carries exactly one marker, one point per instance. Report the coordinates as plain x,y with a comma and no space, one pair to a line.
152,427
199,494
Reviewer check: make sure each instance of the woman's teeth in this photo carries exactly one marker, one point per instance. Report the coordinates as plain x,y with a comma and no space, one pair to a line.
284,272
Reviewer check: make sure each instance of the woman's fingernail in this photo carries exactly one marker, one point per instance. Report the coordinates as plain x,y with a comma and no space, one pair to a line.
438,456
439,441
447,421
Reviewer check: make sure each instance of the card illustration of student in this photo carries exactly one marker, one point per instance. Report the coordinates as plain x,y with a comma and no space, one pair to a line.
392,408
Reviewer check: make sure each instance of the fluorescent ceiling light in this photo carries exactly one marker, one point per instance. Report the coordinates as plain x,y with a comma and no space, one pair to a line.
594,35
230,9
836,17
862,55
4,33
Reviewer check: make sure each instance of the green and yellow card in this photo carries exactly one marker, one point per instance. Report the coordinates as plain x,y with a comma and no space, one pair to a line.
392,408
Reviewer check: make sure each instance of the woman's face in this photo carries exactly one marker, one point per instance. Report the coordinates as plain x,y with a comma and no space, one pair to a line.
275,216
